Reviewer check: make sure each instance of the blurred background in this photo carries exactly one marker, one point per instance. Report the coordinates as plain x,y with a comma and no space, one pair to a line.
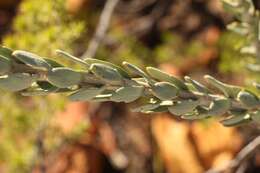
183,37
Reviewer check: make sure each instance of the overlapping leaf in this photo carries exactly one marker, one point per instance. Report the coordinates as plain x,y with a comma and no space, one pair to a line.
103,81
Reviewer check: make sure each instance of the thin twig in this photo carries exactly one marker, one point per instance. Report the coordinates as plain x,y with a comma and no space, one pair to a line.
241,157
242,168
101,28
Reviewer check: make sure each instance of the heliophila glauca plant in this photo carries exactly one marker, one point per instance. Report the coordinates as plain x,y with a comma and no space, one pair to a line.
99,81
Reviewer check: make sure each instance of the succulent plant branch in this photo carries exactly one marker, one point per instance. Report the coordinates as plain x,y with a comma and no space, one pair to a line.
158,91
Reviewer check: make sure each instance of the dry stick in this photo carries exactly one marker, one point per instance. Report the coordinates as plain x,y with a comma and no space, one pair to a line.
242,168
98,37
101,28
241,156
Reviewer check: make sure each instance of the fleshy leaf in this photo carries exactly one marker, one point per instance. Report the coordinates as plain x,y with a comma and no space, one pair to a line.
137,71
53,63
219,106
86,94
183,107
194,116
5,65
164,90
31,59
119,69
162,76
16,81
44,85
127,94
6,52
73,58
236,120
199,87
146,108
106,73
248,99
64,77
159,109
228,90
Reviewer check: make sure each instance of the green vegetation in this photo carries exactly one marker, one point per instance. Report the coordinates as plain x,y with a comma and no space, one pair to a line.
103,81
